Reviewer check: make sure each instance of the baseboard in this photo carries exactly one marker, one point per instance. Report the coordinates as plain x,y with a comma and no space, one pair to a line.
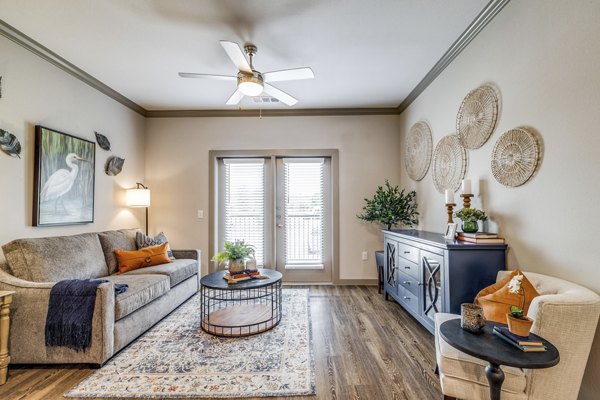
341,282
359,282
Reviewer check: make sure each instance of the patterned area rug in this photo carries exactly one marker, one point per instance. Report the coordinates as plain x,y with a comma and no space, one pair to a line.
177,359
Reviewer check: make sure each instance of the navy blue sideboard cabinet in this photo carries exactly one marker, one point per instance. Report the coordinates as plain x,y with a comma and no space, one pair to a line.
426,273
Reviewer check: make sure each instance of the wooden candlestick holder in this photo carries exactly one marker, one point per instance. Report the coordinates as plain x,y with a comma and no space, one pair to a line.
450,208
466,200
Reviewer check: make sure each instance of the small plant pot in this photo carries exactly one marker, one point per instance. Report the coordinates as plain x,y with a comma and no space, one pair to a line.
236,266
520,327
470,226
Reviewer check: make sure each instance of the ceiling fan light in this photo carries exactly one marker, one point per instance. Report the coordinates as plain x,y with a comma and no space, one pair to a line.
250,88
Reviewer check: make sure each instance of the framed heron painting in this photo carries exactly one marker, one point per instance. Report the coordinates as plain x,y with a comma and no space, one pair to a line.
63,192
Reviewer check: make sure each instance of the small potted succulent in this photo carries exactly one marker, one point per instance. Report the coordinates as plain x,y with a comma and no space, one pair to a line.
235,253
391,206
469,218
518,322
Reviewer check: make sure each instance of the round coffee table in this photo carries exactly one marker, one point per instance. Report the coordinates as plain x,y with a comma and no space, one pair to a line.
496,352
240,309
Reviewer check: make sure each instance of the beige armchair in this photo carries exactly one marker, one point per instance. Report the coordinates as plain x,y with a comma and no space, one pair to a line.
565,313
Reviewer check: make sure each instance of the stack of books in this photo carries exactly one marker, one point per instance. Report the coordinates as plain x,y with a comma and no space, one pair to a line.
480,237
527,344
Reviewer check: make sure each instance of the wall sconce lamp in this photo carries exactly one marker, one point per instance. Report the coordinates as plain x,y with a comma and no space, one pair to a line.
139,197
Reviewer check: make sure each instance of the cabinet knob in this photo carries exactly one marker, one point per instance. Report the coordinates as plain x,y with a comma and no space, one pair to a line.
406,282
407,267
407,252
420,283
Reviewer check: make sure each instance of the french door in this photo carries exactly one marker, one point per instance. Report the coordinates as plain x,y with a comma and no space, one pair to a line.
282,207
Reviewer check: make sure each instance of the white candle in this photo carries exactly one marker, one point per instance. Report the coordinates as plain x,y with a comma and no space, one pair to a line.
466,186
449,196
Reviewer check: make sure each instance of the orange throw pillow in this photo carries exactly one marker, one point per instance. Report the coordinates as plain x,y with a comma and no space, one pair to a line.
146,257
496,299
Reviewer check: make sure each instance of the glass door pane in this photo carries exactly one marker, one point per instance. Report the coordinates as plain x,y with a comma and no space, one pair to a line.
303,218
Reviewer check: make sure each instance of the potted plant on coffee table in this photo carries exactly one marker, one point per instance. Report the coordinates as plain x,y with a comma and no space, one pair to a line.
469,218
518,322
390,206
235,253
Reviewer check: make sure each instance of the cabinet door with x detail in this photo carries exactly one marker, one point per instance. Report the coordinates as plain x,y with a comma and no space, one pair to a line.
431,270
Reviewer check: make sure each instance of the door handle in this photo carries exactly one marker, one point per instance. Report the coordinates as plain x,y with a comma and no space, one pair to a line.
280,225
406,282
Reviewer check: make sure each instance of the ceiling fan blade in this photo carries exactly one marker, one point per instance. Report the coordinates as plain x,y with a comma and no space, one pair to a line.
279,94
237,55
289,74
207,76
235,98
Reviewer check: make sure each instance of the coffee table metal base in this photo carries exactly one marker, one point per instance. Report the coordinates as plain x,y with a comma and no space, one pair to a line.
237,311
242,320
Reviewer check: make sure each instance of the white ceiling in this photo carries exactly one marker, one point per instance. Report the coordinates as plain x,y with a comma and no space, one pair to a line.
364,53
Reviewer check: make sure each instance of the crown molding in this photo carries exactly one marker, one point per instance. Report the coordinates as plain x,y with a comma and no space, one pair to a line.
482,19
485,16
36,48
292,112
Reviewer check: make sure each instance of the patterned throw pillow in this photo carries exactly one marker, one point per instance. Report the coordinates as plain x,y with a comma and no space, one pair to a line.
143,241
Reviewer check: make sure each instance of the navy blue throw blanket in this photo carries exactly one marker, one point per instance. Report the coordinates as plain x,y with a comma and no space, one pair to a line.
70,312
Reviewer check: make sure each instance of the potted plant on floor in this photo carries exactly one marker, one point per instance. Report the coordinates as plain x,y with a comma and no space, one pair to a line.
469,218
235,253
390,206
518,322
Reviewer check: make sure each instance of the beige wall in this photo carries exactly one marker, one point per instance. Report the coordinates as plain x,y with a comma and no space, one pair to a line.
35,92
544,57
177,170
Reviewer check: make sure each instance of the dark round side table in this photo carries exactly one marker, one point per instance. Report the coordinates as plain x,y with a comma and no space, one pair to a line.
496,352
240,309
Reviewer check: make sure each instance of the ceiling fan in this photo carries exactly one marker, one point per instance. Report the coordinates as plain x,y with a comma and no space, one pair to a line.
251,82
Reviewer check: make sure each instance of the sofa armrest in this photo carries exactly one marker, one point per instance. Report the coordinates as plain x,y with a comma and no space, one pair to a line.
193,254
28,321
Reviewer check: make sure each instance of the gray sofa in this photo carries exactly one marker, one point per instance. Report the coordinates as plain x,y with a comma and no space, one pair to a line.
33,266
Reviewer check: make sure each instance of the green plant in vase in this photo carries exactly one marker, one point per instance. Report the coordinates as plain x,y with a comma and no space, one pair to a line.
469,218
391,206
234,253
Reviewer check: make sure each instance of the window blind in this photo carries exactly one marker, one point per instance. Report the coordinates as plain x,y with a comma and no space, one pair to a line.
304,200
245,203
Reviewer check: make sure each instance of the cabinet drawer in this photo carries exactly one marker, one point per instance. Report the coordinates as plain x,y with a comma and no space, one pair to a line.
408,299
408,282
408,268
408,252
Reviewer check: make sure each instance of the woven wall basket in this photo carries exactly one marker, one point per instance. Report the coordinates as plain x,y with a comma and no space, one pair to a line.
515,157
477,117
449,163
417,150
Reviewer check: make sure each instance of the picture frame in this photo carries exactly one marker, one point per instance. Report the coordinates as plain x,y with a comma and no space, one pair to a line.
64,179
451,231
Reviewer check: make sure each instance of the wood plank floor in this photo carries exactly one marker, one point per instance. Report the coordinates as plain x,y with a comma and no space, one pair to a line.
365,348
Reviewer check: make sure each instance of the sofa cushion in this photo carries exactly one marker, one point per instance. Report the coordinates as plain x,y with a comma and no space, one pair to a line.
454,363
142,290
53,259
123,239
177,271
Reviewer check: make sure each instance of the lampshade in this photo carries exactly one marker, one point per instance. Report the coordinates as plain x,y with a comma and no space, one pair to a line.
138,197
